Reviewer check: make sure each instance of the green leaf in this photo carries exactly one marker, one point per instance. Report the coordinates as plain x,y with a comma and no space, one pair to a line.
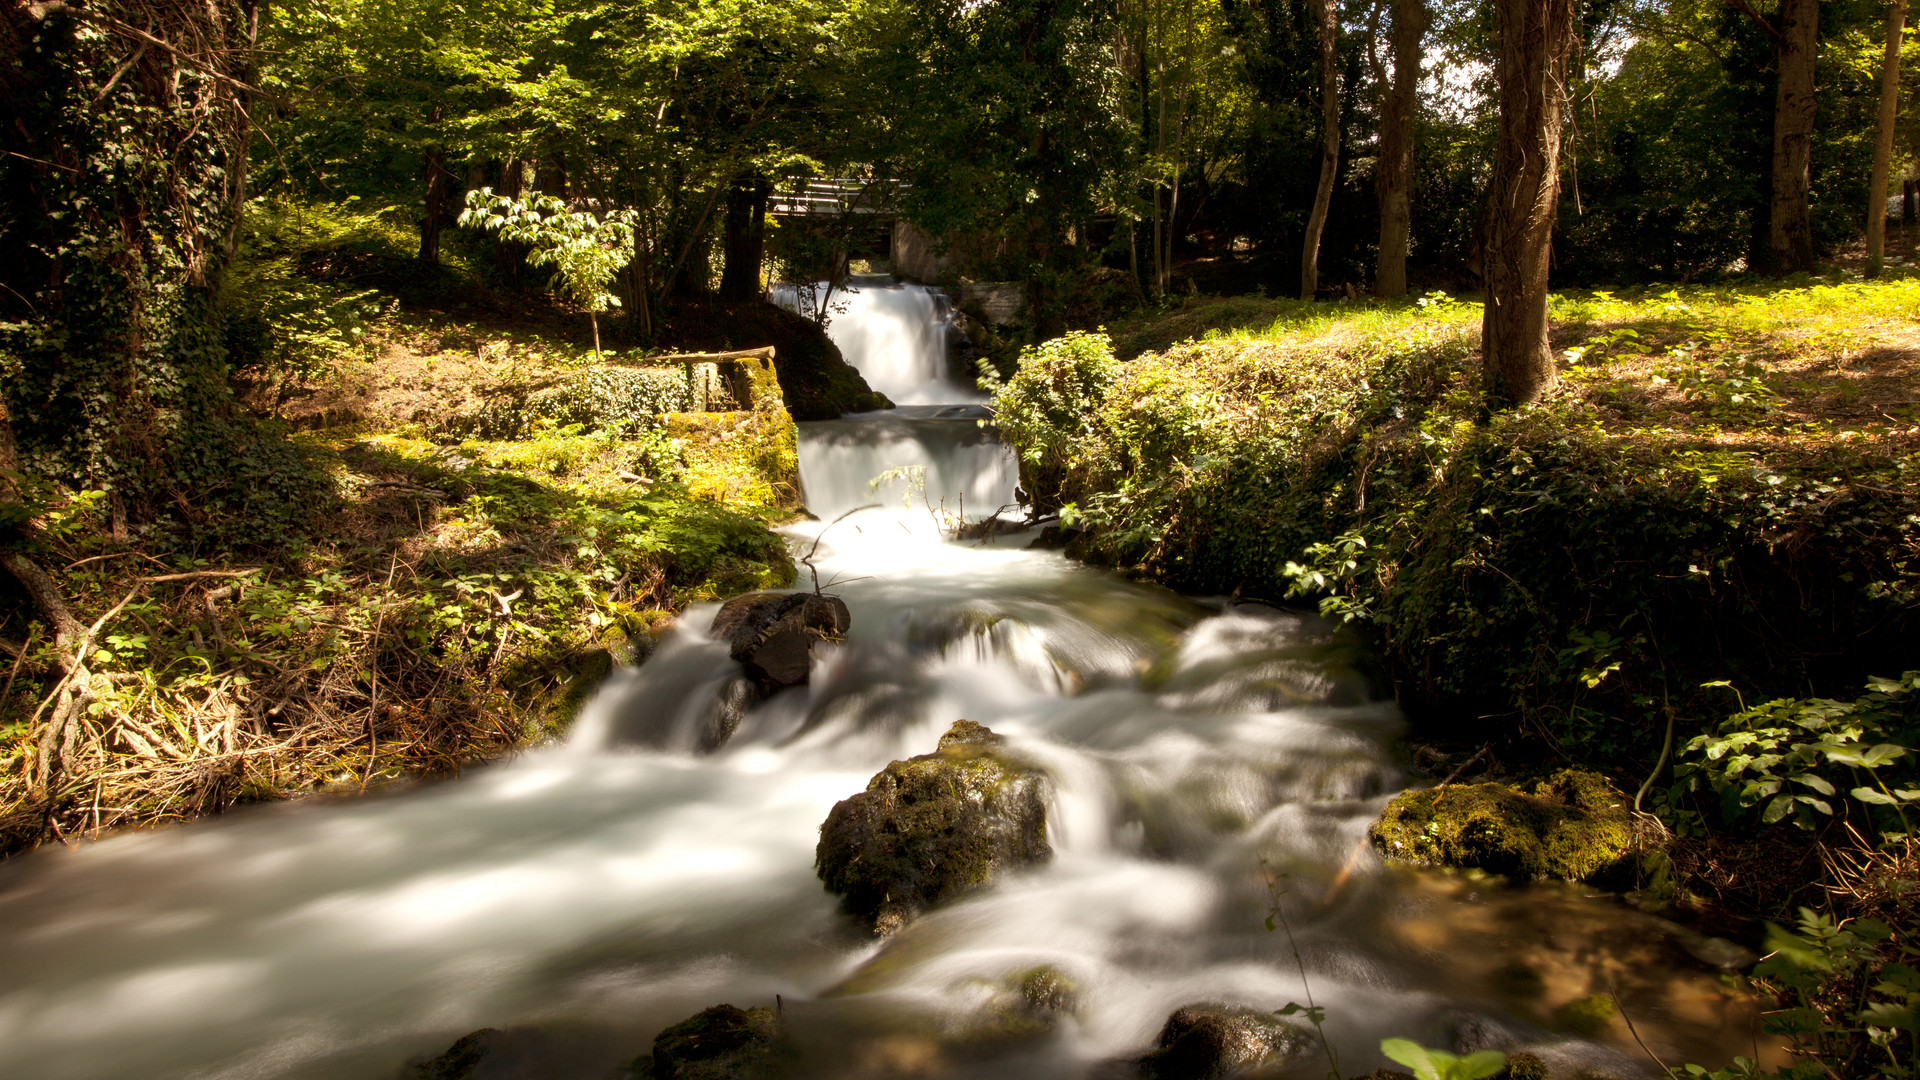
1869,795
1479,1065
1816,783
1412,1055
1796,950
1887,1014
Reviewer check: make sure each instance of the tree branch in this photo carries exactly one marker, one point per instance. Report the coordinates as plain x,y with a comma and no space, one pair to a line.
1747,7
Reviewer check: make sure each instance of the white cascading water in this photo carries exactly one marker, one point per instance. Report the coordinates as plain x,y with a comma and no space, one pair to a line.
1210,761
894,334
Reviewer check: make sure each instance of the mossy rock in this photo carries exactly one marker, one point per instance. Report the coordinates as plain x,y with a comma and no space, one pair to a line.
1208,1041
1575,826
461,1059
721,1043
1523,1066
933,827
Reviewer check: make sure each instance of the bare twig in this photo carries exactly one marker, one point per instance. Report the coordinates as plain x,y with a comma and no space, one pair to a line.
1455,774
807,559
1635,1032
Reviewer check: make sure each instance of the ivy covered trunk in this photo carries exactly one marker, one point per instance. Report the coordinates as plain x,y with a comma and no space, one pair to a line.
1536,37
122,178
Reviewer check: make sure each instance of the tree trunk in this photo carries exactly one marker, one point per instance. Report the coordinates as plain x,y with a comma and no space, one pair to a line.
1883,144
550,178
746,241
1536,38
439,199
1790,241
1395,179
1329,154
510,257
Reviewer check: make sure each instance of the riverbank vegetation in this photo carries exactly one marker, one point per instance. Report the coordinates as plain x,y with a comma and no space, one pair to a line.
1720,507
471,521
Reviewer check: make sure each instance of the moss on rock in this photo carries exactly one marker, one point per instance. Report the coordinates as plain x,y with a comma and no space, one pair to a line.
1574,825
932,827
721,1043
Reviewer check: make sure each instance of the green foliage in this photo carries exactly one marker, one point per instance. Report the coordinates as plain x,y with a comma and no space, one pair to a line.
586,249
280,321
1792,757
1049,405
1431,1064
1579,563
1856,999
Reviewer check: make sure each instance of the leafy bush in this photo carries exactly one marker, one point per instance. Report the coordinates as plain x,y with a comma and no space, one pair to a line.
1792,757
1047,408
1570,565
279,322
616,399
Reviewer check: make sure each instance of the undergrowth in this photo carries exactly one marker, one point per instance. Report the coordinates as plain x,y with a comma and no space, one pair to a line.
451,603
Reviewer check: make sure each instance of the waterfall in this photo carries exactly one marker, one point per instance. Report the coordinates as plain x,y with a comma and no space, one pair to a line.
895,335
1212,764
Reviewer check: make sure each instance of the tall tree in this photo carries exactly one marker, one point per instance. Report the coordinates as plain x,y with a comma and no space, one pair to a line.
1329,152
1790,234
1796,46
1394,181
1535,41
746,236
1883,142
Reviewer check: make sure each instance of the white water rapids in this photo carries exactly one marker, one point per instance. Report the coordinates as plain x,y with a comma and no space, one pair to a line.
587,895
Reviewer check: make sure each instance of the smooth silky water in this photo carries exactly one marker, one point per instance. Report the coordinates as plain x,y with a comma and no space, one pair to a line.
1210,761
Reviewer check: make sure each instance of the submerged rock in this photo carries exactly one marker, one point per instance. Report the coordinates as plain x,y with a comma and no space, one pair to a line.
496,1054
772,634
1208,1041
462,1059
721,1043
932,827
1574,826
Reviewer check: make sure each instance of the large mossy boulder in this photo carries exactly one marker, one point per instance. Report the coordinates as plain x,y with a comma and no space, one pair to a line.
721,1043
815,379
1210,1041
772,634
932,827
1575,826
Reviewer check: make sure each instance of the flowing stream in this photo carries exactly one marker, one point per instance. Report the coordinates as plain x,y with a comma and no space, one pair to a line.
1211,763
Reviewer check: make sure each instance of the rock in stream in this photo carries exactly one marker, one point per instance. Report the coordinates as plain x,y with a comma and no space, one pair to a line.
772,634
932,827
